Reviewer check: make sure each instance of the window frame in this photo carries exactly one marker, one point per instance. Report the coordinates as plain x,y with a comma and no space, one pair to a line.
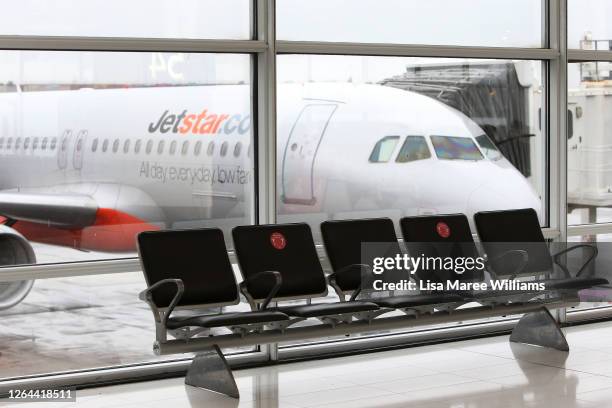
264,49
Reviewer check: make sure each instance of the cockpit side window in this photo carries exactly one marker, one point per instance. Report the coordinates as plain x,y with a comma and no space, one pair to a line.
456,148
488,147
414,148
383,150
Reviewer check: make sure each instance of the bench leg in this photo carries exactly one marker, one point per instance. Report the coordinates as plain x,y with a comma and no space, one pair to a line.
541,329
209,370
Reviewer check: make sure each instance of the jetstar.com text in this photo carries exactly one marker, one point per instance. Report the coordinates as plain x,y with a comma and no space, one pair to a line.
201,123
207,175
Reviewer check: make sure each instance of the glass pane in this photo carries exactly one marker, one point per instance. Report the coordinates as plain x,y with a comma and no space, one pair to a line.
414,148
600,267
456,148
384,149
84,322
374,98
500,23
212,19
589,177
589,24
85,191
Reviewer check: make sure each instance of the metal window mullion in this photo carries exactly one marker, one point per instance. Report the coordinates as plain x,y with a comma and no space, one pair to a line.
266,100
588,55
557,107
589,229
55,43
402,50
266,140
71,269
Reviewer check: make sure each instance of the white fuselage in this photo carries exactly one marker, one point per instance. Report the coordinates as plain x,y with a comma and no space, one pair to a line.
194,165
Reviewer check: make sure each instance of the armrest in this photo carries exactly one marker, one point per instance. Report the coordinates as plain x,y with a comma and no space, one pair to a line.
594,253
147,296
342,271
278,281
524,258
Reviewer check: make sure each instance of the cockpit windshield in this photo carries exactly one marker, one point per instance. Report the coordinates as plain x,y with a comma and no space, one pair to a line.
488,147
456,148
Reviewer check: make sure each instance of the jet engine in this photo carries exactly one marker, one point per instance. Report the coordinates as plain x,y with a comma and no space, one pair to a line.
14,250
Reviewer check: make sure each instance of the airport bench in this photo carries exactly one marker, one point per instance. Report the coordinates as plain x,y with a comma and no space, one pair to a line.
189,272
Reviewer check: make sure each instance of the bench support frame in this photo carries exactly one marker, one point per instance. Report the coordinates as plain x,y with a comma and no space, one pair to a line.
539,328
209,370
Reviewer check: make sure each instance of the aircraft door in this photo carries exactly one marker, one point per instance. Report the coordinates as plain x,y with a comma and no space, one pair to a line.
300,153
62,149
79,147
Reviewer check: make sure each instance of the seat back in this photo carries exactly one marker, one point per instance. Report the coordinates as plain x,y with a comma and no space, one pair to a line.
441,236
503,231
286,248
198,257
343,241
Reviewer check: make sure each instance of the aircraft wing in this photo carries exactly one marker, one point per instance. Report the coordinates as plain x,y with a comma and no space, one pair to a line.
58,210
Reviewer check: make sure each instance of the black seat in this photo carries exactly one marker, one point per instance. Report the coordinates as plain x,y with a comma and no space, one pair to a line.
190,269
449,236
290,250
343,241
520,229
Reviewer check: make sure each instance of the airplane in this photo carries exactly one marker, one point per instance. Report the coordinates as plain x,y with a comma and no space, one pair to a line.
91,168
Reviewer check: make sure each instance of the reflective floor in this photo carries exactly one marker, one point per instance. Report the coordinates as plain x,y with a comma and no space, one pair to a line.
475,373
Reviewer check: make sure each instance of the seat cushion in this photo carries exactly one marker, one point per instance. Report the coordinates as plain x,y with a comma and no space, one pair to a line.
227,319
574,283
327,309
398,302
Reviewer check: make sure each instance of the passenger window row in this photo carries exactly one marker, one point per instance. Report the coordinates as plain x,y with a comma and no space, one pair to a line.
28,143
160,147
46,143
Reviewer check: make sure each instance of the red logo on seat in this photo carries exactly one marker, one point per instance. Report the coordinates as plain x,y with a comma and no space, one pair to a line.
278,240
443,229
